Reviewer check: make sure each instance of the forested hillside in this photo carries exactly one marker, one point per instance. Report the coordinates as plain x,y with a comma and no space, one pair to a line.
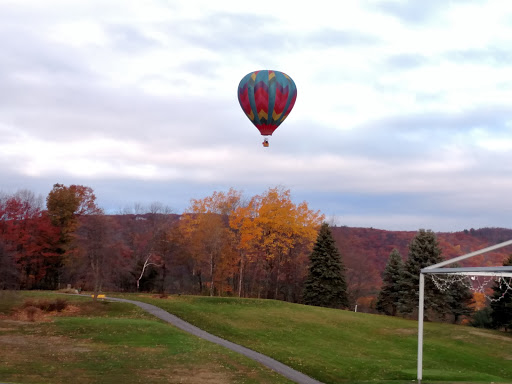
366,251
221,245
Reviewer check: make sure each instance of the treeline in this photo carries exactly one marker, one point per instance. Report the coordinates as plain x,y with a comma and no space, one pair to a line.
447,297
366,251
221,245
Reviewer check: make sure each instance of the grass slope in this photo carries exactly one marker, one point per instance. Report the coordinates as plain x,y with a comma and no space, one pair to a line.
346,347
112,343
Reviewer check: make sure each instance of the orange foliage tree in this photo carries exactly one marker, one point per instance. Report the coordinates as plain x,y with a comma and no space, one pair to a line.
274,238
206,233
257,247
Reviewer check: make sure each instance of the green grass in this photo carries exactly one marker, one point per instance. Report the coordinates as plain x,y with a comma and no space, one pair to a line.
113,343
346,347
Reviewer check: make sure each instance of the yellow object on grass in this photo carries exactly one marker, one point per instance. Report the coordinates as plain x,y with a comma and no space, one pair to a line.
99,296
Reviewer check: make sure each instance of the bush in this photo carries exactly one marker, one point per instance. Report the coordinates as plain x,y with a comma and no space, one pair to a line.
31,312
482,318
56,305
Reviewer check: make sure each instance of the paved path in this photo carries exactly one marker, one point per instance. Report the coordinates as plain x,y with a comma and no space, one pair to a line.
275,365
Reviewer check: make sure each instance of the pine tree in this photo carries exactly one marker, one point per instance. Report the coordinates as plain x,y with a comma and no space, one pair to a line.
325,285
423,251
389,295
501,314
460,299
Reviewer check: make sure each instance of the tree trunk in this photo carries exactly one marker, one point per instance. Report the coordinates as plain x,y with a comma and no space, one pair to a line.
200,280
164,273
240,279
212,269
277,281
277,276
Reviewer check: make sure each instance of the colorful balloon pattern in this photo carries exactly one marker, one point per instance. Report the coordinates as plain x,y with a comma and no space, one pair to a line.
267,97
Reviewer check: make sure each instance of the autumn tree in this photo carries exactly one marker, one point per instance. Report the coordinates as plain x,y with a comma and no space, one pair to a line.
389,295
64,206
8,272
145,233
501,305
258,246
325,285
97,256
423,251
28,238
245,232
280,228
92,249
205,227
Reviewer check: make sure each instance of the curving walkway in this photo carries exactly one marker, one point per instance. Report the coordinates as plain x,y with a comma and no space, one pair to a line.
275,365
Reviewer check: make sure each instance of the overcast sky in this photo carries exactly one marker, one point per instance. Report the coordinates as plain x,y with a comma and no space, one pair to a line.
403,117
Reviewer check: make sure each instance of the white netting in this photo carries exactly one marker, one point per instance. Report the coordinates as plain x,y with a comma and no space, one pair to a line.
482,284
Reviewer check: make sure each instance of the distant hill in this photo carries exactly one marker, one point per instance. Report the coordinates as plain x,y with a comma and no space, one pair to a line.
365,251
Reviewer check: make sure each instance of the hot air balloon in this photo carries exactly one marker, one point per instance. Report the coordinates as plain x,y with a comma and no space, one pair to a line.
267,97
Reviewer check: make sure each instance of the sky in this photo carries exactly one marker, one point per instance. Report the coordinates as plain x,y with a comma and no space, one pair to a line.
403,118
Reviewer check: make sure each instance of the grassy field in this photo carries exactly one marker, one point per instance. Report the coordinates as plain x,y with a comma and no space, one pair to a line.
346,347
114,342
106,342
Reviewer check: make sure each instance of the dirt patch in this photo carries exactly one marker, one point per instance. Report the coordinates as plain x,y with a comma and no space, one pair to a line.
34,314
51,344
406,331
491,336
399,331
206,375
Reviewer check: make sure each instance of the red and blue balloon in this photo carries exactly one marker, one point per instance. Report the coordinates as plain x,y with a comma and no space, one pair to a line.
267,97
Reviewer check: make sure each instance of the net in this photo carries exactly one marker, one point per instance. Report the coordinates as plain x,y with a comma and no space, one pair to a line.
481,283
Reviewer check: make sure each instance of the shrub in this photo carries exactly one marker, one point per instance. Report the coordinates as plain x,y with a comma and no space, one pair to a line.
482,318
56,305
31,312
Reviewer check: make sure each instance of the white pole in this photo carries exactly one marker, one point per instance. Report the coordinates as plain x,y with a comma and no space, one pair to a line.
420,326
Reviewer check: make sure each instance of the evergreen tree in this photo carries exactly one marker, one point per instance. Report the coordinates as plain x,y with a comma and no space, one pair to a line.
389,295
423,251
325,285
460,299
502,306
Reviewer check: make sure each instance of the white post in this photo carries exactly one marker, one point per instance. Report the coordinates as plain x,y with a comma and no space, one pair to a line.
420,326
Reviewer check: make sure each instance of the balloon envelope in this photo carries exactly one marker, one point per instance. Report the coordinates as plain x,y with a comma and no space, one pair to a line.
267,97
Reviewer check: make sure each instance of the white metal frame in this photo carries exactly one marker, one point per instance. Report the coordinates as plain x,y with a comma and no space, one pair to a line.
437,269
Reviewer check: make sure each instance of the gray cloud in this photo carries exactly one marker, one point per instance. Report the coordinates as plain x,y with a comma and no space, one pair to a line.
130,39
329,37
410,11
415,12
498,57
203,68
223,31
405,61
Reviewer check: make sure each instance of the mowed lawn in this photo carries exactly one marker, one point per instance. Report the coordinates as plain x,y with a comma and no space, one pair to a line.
107,342
336,346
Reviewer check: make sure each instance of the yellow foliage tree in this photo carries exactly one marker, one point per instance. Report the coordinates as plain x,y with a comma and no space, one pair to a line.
205,229
269,234
270,228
